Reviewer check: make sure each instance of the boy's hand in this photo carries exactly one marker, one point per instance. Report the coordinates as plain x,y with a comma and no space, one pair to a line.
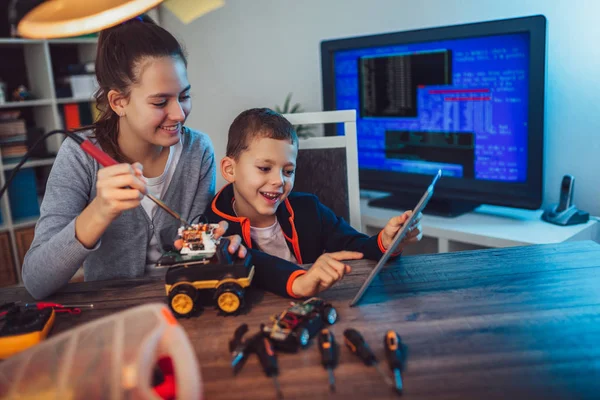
393,226
327,270
235,241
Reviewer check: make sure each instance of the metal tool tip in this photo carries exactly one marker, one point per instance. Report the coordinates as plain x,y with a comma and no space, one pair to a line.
277,388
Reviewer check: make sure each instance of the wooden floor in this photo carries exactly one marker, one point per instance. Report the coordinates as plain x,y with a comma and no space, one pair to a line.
519,323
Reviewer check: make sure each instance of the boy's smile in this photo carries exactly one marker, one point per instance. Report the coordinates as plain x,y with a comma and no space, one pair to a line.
262,177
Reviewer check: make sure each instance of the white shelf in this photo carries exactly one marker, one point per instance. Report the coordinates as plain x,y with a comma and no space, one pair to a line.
27,103
43,112
487,226
68,100
74,41
30,164
19,41
25,223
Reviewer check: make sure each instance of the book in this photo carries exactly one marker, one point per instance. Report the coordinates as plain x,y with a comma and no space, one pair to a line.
13,127
72,120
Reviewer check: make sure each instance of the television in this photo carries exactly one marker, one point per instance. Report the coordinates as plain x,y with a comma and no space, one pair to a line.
467,99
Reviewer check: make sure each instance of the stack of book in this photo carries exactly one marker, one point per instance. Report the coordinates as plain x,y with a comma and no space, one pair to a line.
13,136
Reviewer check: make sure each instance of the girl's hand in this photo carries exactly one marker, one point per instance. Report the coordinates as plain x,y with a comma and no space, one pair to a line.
119,187
327,270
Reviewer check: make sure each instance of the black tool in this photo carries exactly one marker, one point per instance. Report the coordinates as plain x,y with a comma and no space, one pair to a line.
239,349
328,350
268,361
357,345
395,352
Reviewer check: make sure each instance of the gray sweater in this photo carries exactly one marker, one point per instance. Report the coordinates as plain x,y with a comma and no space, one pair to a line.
56,254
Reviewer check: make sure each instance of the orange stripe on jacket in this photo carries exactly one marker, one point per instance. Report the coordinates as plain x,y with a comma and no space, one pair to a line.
382,247
243,221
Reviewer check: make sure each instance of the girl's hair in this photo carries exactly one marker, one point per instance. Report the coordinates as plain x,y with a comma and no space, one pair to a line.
121,51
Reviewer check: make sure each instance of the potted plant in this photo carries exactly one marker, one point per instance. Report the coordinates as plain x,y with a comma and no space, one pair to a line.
303,131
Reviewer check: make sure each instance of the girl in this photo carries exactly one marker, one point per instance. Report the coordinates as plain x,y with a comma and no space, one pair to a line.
91,216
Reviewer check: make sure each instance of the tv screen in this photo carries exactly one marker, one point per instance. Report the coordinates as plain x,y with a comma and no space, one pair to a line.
466,99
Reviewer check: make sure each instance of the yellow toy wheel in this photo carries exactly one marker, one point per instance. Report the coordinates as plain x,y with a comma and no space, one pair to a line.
229,302
182,300
182,303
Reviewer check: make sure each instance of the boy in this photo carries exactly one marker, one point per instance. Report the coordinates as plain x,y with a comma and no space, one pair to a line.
259,165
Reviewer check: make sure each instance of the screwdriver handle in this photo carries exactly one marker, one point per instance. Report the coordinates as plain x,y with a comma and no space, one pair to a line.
327,348
357,345
237,337
103,159
394,353
267,357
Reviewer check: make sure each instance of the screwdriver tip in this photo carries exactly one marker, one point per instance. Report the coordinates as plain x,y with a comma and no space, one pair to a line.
398,381
277,388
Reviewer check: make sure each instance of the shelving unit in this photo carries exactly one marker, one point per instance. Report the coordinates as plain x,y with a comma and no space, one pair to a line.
43,111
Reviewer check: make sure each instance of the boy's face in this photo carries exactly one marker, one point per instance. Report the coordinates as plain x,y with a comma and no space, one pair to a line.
263,177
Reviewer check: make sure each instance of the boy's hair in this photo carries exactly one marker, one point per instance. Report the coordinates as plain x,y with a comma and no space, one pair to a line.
255,123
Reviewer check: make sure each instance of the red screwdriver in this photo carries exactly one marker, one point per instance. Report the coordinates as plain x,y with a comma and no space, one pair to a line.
60,308
106,161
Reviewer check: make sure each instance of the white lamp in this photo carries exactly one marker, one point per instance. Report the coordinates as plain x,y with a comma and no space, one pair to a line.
67,18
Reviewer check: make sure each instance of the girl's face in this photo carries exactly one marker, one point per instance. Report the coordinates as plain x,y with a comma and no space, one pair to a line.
159,103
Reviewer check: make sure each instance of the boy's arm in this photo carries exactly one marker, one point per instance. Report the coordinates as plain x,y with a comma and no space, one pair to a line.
274,274
338,235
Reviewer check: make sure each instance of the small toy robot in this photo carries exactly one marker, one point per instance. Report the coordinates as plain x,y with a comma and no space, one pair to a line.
204,272
198,240
294,327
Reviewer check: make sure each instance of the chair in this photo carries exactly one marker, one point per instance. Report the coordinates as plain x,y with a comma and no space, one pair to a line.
328,166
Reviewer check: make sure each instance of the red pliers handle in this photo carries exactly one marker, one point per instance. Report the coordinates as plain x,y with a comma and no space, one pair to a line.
58,308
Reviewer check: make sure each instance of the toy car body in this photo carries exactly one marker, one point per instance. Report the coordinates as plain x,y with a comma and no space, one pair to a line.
202,276
294,327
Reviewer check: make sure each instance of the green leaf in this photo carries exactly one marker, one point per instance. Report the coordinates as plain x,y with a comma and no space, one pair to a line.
286,105
296,108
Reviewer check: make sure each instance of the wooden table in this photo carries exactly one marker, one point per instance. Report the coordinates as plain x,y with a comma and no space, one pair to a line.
517,323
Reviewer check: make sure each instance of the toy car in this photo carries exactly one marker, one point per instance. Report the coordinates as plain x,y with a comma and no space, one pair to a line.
294,327
205,273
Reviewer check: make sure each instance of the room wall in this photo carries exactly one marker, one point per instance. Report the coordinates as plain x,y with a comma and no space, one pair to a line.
253,52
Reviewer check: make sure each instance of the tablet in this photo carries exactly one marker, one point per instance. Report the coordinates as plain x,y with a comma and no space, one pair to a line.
399,236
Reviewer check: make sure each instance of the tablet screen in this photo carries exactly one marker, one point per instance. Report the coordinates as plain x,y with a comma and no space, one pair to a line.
398,238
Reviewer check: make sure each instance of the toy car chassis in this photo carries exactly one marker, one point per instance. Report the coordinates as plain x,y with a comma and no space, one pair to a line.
294,327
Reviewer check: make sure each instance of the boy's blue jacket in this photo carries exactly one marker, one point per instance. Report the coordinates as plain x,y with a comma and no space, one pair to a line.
310,229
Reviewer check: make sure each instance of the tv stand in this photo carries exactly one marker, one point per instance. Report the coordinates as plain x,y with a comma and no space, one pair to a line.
485,227
442,208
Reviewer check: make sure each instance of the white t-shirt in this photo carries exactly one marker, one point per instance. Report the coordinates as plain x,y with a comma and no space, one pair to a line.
270,240
158,187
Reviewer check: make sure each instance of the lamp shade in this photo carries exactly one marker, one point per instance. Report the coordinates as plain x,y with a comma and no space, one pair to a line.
67,18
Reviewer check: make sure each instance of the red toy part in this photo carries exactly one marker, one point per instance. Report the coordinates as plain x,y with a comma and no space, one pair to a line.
167,388
291,320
